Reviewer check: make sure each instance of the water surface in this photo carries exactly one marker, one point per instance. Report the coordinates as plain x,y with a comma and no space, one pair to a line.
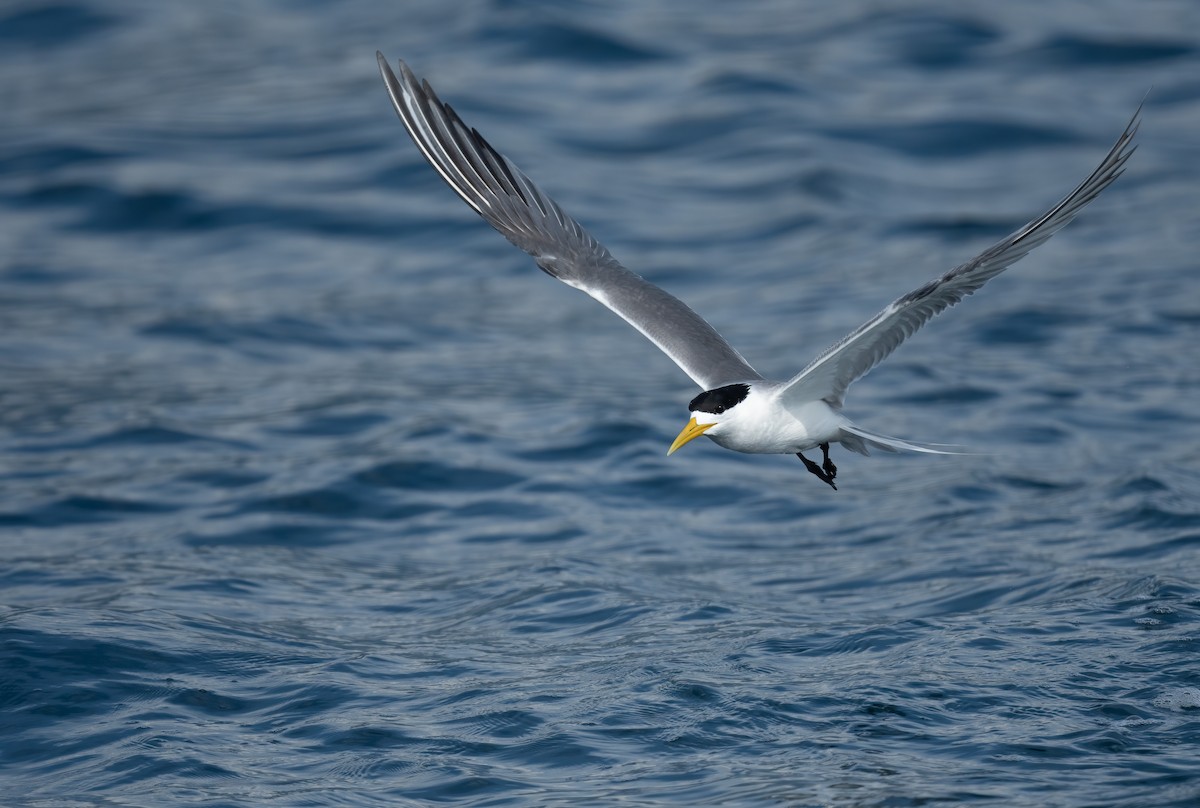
315,492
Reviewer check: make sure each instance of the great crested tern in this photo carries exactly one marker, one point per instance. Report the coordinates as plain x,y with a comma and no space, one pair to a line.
738,408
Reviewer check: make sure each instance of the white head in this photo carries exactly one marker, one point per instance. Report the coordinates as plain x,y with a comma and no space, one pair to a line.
710,411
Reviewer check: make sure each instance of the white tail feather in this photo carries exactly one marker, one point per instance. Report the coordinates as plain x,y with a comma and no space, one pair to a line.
857,439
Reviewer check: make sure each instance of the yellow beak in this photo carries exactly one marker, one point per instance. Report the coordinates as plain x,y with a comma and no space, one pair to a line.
692,431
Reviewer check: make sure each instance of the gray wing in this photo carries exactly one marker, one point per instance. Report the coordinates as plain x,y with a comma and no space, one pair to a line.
828,376
499,192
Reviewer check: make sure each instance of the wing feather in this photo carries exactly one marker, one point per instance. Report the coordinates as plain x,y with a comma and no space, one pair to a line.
829,375
510,202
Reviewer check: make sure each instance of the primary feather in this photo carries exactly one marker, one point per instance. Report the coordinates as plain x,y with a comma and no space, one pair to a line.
510,202
828,376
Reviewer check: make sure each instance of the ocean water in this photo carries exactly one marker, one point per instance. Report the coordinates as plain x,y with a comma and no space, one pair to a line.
314,491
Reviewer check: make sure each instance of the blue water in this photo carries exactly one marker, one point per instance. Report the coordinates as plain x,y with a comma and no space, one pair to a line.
313,491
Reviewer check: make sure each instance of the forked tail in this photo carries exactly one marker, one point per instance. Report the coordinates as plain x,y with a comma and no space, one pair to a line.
860,440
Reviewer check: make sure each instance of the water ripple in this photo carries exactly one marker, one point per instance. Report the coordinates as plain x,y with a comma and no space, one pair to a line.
315,492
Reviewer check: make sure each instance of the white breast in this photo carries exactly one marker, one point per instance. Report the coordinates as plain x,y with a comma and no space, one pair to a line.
761,425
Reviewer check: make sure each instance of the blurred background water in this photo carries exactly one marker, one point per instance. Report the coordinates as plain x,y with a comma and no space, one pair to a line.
313,491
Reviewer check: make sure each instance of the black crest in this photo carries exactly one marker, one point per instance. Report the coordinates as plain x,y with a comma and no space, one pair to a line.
719,400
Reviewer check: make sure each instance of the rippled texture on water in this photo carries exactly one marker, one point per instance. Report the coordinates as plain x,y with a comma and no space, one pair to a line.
315,492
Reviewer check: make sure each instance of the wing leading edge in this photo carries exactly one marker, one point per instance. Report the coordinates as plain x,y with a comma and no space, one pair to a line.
828,376
501,193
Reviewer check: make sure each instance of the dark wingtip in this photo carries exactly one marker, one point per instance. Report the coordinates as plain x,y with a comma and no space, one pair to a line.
385,69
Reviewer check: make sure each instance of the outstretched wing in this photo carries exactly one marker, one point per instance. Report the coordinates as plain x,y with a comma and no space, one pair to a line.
828,376
499,192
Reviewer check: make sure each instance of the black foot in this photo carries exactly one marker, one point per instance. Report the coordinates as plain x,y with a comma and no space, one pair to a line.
822,475
826,463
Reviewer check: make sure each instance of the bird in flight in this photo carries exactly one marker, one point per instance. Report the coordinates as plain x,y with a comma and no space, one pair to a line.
738,408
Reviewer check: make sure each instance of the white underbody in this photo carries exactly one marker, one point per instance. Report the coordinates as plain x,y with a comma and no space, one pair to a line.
766,423
762,424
